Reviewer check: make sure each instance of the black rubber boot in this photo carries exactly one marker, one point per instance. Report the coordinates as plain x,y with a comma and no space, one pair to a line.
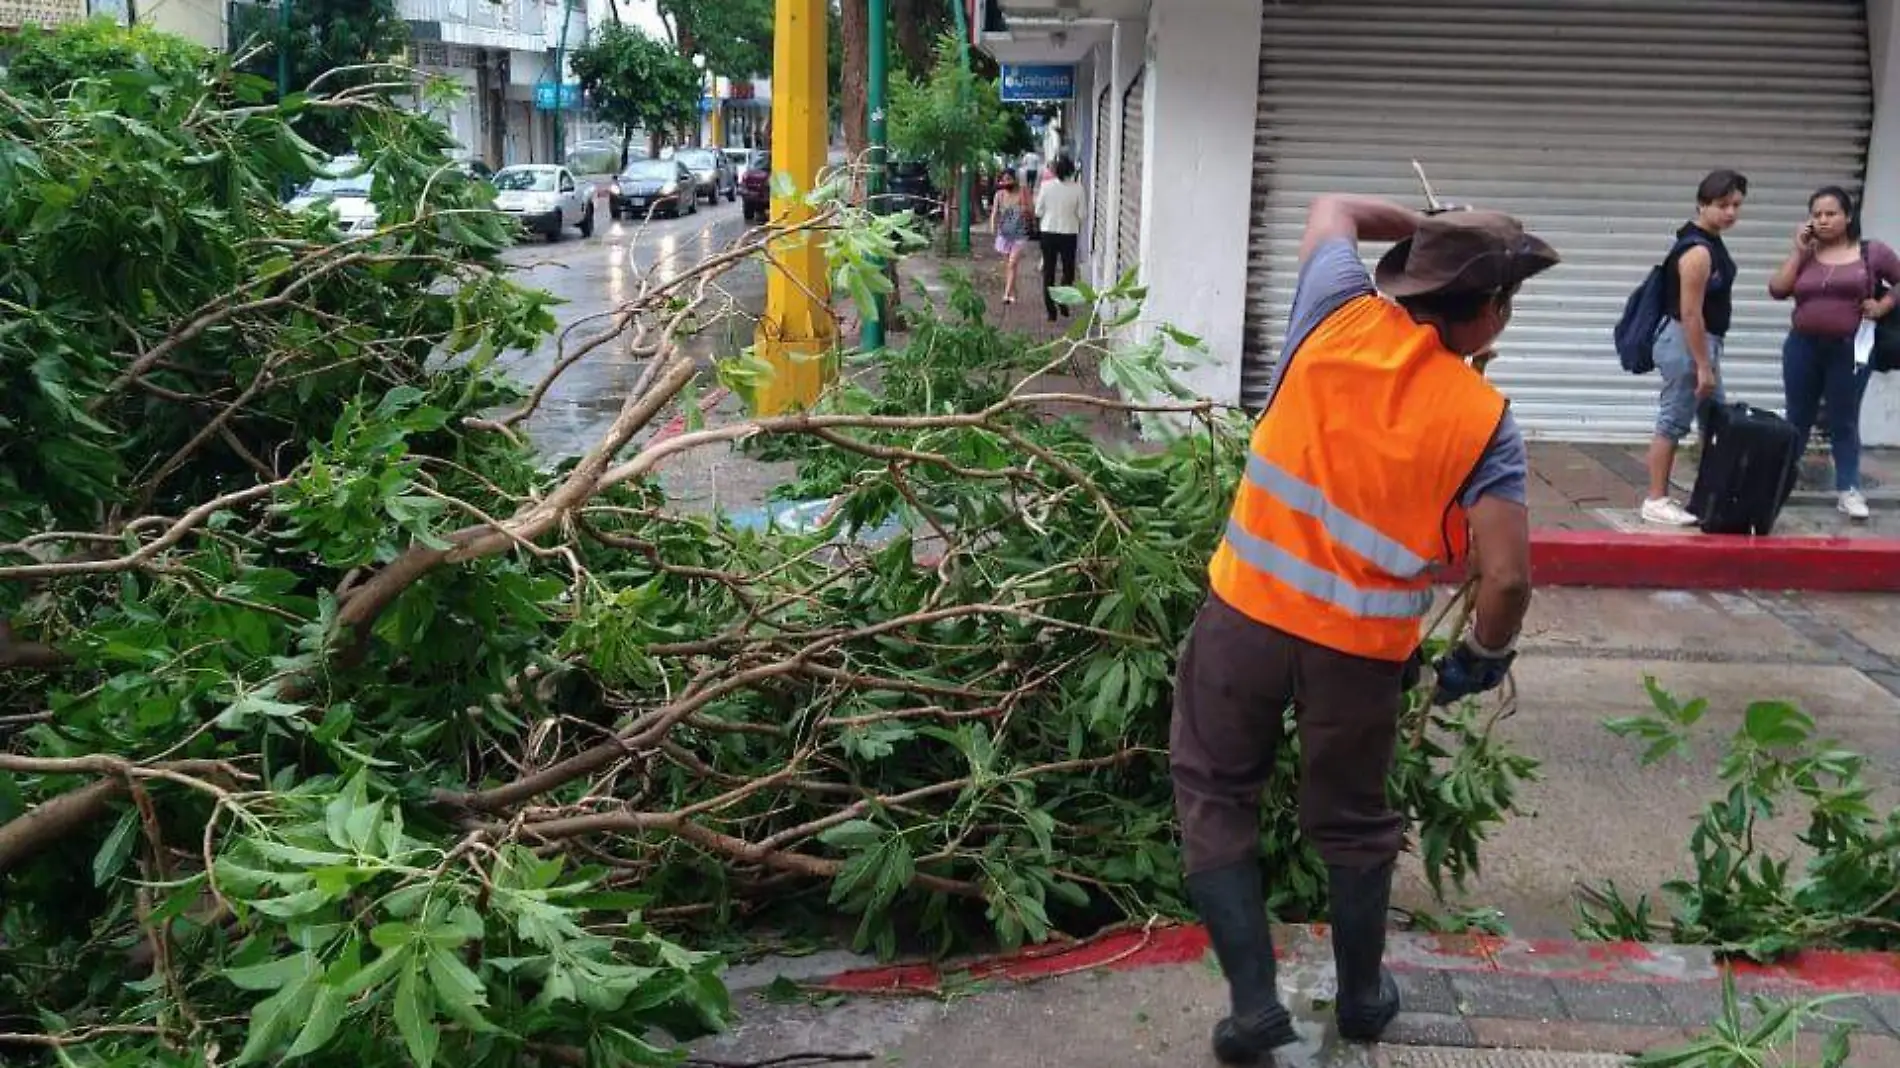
1231,904
1368,996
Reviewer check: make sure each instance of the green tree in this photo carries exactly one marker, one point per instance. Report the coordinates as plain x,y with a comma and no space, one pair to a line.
734,37
918,23
47,63
950,119
636,82
324,35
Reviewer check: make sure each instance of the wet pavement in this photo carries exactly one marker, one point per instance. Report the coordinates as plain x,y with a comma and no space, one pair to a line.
1148,998
594,276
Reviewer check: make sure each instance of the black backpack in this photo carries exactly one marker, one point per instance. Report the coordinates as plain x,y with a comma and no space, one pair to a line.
1643,314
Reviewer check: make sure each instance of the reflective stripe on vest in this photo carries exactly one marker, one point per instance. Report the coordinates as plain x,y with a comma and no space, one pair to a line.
1268,558
1345,528
1352,482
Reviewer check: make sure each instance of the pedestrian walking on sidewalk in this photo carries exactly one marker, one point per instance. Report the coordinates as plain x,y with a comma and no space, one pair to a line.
1698,290
1009,217
1381,453
1831,274
1059,214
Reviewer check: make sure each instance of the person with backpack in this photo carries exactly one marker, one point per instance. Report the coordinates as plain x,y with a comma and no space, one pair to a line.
1382,454
1698,283
1832,275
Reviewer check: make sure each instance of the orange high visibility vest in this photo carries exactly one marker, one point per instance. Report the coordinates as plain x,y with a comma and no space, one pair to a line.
1351,491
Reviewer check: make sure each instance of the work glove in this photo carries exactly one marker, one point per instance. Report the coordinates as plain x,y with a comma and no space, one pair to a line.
1413,672
1467,670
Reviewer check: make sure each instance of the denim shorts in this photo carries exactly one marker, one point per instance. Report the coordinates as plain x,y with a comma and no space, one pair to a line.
1676,367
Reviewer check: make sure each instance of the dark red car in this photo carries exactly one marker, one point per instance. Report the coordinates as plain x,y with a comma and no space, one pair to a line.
755,187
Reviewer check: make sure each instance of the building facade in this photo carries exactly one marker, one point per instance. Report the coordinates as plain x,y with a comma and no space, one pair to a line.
510,62
1206,128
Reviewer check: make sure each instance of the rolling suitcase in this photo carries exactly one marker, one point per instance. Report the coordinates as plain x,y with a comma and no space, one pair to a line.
1750,458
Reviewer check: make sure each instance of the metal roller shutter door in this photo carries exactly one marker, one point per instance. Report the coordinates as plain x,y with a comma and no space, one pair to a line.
1099,236
1592,120
1128,236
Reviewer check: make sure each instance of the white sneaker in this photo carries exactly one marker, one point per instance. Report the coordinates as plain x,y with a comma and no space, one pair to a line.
1854,505
1666,512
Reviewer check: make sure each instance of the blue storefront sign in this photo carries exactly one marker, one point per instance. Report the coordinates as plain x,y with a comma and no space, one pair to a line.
1031,82
551,97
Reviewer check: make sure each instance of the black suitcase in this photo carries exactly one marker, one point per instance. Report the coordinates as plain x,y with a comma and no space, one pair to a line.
1750,458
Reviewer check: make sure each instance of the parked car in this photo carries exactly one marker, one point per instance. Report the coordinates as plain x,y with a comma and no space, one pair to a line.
712,170
909,188
755,188
343,186
740,158
659,186
475,170
599,157
546,198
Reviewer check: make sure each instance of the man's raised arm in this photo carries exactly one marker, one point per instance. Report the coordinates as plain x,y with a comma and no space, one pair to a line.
1355,218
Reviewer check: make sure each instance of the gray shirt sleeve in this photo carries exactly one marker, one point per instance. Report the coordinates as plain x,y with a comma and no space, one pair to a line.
1504,469
1329,278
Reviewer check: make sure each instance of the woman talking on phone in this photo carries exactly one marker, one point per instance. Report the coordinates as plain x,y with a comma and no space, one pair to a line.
1831,275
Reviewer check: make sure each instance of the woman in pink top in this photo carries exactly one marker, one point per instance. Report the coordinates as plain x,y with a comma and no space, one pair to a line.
1831,274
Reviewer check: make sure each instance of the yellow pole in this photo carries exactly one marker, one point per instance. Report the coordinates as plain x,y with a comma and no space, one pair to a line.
718,117
797,337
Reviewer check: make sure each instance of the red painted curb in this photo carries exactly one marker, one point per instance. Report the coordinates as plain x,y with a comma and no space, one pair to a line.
1614,560
1627,962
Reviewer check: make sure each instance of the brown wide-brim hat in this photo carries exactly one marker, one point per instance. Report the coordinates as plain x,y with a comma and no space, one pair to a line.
1463,252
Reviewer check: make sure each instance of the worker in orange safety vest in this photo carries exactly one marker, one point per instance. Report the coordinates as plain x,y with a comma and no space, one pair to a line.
1381,455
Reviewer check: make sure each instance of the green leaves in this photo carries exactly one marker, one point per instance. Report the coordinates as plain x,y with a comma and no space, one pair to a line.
116,850
1739,896
1765,1032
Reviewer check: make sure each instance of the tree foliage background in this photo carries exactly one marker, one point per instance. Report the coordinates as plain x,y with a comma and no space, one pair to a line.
45,63
323,36
637,82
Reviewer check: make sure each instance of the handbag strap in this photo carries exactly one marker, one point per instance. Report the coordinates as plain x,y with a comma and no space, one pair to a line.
1867,268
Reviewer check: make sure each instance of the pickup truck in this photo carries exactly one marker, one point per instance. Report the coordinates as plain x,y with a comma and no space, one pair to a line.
546,197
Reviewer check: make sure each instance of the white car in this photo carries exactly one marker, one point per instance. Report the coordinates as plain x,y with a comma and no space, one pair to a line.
344,187
546,197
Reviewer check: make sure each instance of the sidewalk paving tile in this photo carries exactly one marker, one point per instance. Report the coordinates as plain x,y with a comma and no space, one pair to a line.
1619,1003
1423,991
1430,1029
1515,997
1887,1007
1574,1036
1419,1057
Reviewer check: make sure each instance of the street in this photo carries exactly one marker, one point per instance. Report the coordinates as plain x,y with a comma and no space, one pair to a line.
593,276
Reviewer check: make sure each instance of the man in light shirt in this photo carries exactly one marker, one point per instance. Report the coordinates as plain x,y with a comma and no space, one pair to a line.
1059,213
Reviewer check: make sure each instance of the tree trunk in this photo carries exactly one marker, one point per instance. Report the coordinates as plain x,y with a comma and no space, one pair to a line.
854,25
613,8
626,145
915,21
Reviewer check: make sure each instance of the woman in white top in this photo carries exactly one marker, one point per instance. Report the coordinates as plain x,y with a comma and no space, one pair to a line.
1059,211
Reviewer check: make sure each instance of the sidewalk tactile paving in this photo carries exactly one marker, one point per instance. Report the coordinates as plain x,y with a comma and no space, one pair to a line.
1447,1057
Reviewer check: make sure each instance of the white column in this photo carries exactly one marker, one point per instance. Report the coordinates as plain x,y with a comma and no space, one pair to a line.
1880,212
1197,165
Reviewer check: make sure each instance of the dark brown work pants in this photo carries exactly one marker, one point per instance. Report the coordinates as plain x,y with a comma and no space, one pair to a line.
1234,682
